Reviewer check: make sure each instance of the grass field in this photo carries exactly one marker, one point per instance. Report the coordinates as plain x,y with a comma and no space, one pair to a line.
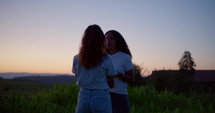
8,86
33,97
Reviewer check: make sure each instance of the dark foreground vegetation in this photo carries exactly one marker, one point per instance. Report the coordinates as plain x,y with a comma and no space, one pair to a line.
62,99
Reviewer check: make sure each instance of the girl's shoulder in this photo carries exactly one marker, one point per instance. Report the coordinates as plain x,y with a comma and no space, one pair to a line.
75,57
123,55
106,56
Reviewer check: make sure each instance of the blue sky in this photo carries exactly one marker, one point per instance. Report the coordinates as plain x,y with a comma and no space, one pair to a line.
44,35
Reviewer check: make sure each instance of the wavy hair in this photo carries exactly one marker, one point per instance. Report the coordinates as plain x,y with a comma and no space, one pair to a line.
121,44
92,47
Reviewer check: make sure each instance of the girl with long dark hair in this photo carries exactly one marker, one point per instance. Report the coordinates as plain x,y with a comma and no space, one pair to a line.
93,68
121,58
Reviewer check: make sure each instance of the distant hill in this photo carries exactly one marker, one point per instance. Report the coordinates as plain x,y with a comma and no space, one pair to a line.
13,75
57,79
47,78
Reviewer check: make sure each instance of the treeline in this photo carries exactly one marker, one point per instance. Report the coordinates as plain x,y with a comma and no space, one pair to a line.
177,81
174,81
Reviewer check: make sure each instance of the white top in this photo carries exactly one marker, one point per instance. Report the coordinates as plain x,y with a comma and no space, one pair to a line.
122,63
93,78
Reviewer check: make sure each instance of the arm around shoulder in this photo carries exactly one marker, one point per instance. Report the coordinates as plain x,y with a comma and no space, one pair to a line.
127,77
110,81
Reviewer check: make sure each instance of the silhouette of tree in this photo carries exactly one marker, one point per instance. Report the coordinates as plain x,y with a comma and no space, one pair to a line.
186,63
137,69
139,80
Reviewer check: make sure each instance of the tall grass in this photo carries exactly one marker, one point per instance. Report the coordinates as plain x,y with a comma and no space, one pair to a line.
62,99
8,86
144,99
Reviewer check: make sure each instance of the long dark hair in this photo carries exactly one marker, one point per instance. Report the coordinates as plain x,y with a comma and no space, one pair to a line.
92,47
121,44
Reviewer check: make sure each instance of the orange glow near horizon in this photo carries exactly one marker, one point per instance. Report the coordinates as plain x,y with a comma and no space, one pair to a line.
62,64
37,63
35,69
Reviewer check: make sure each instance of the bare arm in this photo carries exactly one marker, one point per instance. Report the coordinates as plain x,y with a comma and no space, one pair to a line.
110,81
127,77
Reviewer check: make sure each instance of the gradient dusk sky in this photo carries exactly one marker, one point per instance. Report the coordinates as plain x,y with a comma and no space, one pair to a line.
42,36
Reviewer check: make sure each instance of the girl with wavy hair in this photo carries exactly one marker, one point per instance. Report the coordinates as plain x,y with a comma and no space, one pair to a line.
121,58
93,68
